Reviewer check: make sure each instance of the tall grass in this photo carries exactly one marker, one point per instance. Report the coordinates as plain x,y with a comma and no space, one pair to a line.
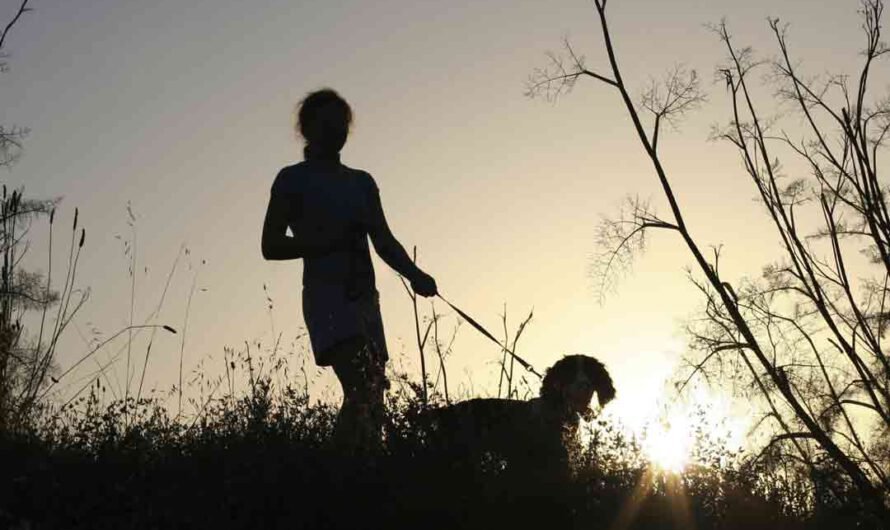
262,457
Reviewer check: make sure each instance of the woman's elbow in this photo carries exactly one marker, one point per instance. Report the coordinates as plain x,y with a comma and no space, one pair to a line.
281,249
383,248
268,250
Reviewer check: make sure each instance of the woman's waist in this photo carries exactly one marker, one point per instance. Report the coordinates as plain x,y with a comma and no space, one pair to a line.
329,280
338,266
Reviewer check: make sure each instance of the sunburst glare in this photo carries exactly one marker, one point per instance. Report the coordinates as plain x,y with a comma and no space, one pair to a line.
675,433
668,444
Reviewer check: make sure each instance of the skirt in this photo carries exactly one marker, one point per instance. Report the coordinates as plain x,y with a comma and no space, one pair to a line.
333,317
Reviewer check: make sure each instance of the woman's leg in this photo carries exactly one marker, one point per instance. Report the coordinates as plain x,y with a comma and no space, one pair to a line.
361,371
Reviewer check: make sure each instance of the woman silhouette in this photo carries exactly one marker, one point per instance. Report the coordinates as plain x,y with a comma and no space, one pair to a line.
331,209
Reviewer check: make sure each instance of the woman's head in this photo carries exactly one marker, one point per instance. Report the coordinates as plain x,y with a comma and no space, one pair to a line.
323,120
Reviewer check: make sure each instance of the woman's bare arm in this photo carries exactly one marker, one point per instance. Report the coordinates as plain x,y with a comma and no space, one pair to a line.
392,252
276,245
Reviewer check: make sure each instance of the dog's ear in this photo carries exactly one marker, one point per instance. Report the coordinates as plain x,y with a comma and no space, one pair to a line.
602,382
605,395
605,392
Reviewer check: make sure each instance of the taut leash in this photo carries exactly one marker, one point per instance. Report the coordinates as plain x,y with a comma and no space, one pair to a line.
485,332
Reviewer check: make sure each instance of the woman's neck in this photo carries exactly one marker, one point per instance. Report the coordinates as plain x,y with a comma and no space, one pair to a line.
310,153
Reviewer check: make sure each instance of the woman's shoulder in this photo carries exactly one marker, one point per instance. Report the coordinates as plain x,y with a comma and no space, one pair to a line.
362,176
293,177
288,177
292,169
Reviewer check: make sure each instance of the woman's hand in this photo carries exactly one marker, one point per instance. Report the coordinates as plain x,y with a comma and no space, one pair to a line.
424,284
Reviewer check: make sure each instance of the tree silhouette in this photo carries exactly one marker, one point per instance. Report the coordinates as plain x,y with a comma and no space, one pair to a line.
26,363
806,337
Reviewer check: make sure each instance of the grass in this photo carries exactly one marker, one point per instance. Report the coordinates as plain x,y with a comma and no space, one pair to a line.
262,459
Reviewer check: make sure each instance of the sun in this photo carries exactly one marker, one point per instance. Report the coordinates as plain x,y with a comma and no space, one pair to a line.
668,445
674,431
671,440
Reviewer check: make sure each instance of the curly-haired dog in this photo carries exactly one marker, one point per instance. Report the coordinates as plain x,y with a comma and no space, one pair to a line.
537,436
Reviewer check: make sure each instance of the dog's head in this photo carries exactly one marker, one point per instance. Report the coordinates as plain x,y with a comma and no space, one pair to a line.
571,382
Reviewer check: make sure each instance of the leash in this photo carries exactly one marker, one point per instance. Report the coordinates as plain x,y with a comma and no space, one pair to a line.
490,337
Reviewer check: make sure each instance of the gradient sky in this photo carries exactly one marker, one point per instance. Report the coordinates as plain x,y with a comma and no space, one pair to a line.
184,109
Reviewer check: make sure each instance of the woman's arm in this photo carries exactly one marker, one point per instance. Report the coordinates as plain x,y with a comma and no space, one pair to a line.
276,245
392,252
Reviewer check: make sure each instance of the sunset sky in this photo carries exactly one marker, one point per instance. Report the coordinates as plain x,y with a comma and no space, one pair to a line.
184,109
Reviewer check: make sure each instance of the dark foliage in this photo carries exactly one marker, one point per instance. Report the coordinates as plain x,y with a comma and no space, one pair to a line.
264,461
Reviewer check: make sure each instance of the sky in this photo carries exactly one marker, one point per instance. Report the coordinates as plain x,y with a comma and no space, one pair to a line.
183,110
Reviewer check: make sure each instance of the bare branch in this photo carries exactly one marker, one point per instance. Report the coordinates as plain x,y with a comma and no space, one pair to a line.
671,98
560,75
618,240
23,8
